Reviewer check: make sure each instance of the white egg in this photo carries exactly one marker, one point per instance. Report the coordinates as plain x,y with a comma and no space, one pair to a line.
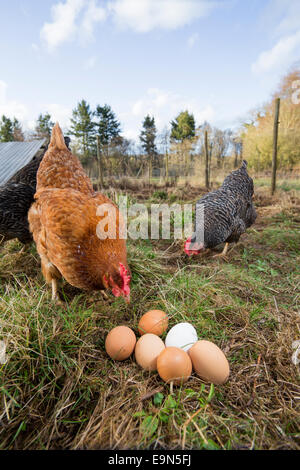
182,335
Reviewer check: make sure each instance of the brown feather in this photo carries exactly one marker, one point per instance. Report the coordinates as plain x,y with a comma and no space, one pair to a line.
64,223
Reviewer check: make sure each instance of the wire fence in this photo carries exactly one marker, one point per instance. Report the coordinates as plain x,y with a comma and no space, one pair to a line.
138,175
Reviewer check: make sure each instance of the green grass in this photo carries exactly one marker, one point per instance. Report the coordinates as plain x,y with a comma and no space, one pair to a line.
59,389
287,184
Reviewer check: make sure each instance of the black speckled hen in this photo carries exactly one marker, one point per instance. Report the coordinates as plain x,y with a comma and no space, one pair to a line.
228,212
16,197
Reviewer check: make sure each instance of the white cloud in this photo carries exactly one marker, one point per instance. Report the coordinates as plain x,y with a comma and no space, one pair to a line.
193,39
30,124
71,19
163,106
138,107
77,18
204,114
283,54
11,108
94,14
159,98
63,26
282,18
145,15
59,114
131,134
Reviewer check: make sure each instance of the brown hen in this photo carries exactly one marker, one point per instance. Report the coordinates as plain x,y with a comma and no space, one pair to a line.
69,224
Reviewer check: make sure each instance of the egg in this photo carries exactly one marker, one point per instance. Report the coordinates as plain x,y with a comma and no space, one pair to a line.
154,321
147,350
183,335
120,343
174,365
209,362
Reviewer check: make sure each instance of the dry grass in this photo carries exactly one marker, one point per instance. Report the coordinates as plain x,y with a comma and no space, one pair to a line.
60,390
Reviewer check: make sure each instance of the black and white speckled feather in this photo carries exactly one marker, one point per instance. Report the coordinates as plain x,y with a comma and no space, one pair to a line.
15,201
16,197
228,211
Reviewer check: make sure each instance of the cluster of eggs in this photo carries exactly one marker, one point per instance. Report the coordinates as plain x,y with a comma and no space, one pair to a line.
175,359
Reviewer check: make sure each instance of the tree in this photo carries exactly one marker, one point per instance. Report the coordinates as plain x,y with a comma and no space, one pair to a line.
183,131
107,126
147,138
220,143
83,127
6,129
183,127
257,135
10,130
120,154
43,126
17,131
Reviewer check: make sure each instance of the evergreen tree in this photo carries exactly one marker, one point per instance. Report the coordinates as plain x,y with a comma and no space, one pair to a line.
6,129
17,131
148,136
183,127
43,126
83,127
107,125
10,130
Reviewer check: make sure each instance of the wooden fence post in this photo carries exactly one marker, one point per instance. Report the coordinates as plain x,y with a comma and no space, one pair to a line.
167,166
235,164
209,161
241,152
275,146
150,169
100,169
206,161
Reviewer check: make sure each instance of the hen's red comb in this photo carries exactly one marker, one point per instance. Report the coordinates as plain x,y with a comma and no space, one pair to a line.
196,247
126,278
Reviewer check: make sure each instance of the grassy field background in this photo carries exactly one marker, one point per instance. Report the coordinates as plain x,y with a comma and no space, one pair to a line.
59,389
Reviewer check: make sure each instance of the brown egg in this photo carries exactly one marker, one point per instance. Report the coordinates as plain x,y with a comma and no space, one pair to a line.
174,365
154,321
209,362
120,342
147,350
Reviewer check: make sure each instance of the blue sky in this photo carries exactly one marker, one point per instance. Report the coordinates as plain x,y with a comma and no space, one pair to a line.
217,58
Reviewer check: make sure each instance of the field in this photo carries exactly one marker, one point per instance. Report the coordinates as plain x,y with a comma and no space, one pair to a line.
59,389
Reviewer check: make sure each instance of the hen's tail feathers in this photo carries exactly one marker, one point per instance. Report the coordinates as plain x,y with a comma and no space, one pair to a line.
57,139
244,164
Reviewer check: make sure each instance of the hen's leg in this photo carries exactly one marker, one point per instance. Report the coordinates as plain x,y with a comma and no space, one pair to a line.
225,249
224,252
55,297
104,295
51,274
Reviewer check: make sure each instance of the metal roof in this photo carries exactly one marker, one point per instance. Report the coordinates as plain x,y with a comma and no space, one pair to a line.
15,155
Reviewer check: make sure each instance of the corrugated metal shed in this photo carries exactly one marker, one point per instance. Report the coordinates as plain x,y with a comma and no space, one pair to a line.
15,155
